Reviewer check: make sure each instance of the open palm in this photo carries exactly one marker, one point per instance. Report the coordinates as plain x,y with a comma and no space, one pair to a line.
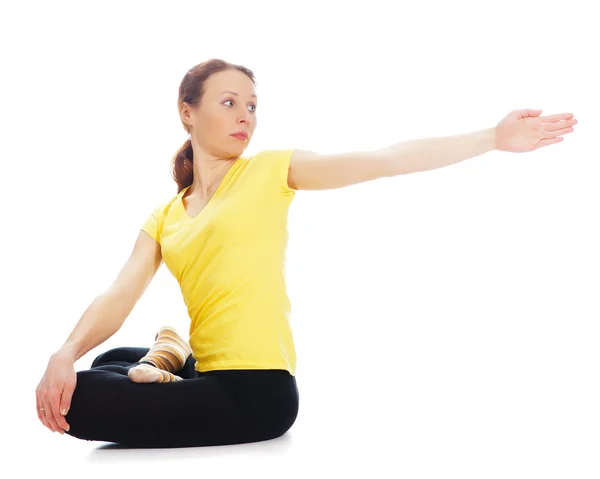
524,130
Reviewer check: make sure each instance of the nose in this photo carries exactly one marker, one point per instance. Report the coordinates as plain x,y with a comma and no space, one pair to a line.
247,118
246,115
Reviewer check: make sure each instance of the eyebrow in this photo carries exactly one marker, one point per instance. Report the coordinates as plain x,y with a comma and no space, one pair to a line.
234,93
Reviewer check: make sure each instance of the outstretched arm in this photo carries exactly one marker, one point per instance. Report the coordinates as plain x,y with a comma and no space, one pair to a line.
520,131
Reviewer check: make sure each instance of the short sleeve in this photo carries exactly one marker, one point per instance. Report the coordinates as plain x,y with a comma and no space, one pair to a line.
279,162
152,223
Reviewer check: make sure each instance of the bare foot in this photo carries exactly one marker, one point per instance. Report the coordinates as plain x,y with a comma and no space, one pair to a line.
146,373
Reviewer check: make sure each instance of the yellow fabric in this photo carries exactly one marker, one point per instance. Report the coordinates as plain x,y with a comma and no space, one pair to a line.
229,261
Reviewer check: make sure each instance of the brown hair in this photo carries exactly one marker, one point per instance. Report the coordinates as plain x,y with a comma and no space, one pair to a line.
191,91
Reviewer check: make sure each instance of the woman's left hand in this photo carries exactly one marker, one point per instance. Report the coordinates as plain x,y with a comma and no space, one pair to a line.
524,130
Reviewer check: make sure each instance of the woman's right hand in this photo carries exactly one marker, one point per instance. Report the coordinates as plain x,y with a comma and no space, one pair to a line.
54,392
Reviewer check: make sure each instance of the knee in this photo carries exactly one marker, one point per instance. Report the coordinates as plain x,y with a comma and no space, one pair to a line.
80,416
115,354
279,425
76,416
97,360
103,357
125,354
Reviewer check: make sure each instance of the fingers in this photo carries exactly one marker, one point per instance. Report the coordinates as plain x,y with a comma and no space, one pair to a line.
548,141
53,426
39,403
65,404
50,415
58,417
559,125
554,134
557,117
558,129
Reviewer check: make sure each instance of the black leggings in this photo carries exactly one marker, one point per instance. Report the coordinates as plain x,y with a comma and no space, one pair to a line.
204,409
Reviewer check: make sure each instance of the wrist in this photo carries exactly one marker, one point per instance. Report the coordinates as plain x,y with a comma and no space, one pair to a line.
67,352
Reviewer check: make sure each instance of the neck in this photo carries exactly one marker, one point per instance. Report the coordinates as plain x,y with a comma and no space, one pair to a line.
209,171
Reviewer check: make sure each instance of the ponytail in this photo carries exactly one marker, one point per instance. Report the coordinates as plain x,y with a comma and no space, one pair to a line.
183,171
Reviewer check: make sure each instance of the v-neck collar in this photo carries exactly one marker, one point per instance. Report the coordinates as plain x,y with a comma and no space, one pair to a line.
225,179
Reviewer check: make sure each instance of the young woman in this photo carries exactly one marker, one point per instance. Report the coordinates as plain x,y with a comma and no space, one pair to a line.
223,236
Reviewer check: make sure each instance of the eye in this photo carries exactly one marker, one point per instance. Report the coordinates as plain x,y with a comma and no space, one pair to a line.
250,103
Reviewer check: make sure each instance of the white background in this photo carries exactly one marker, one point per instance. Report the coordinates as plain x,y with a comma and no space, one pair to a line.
446,322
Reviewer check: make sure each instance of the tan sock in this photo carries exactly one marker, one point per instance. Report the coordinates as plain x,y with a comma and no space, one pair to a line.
146,373
167,356
169,351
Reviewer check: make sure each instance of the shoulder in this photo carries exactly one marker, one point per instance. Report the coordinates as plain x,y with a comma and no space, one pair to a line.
275,155
163,206
275,163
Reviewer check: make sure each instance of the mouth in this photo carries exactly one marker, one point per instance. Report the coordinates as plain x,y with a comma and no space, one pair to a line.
240,136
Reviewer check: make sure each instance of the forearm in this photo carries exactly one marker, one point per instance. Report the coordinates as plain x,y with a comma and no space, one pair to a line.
430,153
103,318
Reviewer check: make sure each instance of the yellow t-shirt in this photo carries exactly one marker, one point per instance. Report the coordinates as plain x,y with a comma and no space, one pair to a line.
229,261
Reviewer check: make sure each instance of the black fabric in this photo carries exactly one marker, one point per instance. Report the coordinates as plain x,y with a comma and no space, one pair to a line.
204,409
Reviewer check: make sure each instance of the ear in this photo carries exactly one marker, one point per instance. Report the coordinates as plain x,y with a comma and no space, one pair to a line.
185,114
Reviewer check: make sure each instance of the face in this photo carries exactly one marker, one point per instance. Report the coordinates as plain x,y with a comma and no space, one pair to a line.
220,114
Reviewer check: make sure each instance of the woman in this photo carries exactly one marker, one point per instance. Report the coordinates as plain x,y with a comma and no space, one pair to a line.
223,237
